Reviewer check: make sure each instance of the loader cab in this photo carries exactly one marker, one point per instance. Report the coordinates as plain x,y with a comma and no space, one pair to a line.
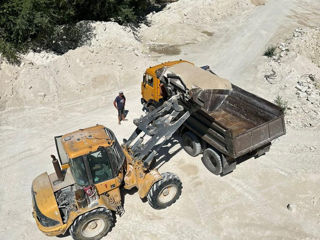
94,157
95,167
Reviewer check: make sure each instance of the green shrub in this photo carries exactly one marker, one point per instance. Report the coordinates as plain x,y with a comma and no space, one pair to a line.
9,52
270,52
52,24
283,104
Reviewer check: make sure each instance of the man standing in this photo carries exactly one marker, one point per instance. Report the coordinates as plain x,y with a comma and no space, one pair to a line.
119,104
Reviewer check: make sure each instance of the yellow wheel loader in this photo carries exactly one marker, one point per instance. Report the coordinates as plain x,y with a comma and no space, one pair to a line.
83,196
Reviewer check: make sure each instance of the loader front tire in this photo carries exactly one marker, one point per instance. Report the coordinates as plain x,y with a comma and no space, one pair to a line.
212,160
92,225
165,192
191,144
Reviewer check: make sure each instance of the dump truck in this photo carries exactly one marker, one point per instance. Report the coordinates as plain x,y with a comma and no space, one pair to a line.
227,124
93,170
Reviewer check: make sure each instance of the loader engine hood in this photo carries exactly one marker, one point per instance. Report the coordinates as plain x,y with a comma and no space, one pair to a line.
44,202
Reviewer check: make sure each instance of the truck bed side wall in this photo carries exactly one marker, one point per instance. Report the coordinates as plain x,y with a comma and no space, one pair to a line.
263,133
267,118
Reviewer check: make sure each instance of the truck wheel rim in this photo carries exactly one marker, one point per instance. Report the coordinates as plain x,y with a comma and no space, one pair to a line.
93,228
213,160
167,194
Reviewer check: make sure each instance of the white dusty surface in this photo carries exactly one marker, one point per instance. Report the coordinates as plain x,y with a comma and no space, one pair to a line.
76,90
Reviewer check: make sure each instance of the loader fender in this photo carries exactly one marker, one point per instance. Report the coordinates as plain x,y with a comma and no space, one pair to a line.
146,183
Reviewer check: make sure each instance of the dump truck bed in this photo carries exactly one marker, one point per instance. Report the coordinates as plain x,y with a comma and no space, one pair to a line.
236,123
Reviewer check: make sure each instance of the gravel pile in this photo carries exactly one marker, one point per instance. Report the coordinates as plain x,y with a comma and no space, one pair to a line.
293,73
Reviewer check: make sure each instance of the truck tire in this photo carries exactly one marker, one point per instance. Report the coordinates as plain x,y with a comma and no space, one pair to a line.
92,225
191,144
165,192
212,161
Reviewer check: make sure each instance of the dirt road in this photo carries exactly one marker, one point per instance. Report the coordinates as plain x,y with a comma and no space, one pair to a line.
274,197
237,45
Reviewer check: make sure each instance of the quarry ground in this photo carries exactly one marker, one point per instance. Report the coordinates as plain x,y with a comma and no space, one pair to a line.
276,196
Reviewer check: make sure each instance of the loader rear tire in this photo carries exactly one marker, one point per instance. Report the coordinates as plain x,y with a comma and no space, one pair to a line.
165,192
212,161
92,225
191,144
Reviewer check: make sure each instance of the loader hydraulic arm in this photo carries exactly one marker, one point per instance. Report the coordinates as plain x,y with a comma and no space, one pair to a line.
159,125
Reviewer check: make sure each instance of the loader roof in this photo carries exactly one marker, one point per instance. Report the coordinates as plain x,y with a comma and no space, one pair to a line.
196,77
84,141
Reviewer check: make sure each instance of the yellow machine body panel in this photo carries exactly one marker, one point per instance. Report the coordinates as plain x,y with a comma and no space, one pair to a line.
44,204
87,140
109,184
136,176
44,197
150,86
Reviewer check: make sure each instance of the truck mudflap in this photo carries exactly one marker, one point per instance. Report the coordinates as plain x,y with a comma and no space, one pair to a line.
227,167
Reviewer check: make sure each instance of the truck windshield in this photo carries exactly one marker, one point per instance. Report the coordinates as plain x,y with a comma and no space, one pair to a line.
79,171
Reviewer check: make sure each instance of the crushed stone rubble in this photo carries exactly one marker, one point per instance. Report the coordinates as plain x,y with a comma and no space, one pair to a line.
294,74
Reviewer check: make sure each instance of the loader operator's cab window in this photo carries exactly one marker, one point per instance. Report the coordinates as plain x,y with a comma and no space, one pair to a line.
100,163
78,170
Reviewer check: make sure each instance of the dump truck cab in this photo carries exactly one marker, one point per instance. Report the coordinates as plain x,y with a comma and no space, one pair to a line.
150,86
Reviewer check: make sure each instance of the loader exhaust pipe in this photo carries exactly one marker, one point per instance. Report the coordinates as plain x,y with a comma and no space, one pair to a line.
57,168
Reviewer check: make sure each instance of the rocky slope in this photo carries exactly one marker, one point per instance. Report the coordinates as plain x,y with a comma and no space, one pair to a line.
293,74
115,57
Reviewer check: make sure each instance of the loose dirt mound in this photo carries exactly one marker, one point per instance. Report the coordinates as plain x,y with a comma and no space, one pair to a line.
115,58
109,62
189,21
258,2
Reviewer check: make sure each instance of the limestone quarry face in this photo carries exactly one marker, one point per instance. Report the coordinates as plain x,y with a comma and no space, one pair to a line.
112,59
294,73
184,23
116,56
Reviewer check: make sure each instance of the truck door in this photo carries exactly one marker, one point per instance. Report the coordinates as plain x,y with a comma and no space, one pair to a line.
148,88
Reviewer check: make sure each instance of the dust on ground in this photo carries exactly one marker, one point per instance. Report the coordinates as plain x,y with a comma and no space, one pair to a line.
276,196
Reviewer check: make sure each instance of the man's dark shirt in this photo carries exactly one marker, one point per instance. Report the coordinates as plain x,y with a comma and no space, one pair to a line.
120,102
